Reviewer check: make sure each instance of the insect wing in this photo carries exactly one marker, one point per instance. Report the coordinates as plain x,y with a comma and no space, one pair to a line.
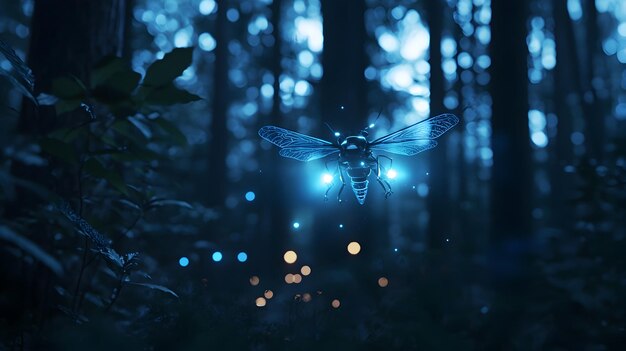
406,148
306,154
428,129
296,145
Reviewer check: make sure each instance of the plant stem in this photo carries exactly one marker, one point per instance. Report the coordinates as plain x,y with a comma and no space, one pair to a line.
116,292
80,274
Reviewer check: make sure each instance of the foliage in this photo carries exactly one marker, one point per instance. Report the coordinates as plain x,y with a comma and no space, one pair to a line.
100,158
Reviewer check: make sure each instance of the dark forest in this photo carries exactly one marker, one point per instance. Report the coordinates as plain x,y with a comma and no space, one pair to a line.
145,202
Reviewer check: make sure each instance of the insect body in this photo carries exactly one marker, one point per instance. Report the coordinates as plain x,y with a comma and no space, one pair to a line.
355,154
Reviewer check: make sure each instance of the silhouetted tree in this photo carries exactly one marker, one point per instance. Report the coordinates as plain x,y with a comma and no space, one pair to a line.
218,131
439,195
511,144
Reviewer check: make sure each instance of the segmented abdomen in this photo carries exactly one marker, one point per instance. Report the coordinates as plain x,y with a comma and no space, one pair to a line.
359,186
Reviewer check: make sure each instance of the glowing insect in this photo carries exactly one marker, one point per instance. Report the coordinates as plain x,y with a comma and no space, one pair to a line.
354,154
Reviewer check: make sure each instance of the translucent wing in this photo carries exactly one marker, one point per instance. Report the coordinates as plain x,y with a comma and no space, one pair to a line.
306,154
427,129
296,145
406,148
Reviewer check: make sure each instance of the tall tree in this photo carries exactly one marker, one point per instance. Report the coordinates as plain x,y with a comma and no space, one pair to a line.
510,139
565,72
595,119
69,38
218,131
438,198
344,61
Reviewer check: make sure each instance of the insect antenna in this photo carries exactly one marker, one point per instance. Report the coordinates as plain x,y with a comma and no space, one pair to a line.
364,131
336,134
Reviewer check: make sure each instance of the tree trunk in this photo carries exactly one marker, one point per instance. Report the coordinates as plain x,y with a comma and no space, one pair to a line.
511,146
343,86
218,131
595,121
69,38
438,197
564,73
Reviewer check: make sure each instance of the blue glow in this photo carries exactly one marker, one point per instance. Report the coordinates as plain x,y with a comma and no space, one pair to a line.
250,196
577,138
337,134
206,7
392,174
327,178
341,226
232,15
183,261
217,256
395,250
372,125
575,9
296,225
242,257
206,42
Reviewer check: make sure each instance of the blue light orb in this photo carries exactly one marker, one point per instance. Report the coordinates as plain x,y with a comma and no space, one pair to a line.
372,125
183,261
337,134
341,226
250,196
296,225
392,174
396,249
242,257
327,178
217,256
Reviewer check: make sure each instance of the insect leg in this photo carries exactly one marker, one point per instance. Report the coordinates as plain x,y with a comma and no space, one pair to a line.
343,183
328,190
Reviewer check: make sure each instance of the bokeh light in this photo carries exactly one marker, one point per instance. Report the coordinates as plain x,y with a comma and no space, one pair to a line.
260,302
183,261
383,282
354,248
242,257
254,280
336,303
250,196
305,270
306,297
296,225
392,174
217,256
268,294
297,278
290,257
289,278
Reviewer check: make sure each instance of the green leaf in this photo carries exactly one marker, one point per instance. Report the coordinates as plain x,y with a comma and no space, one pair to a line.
107,67
95,168
154,286
118,87
63,106
68,88
32,249
20,74
127,129
59,149
170,95
177,136
165,202
165,70
68,134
